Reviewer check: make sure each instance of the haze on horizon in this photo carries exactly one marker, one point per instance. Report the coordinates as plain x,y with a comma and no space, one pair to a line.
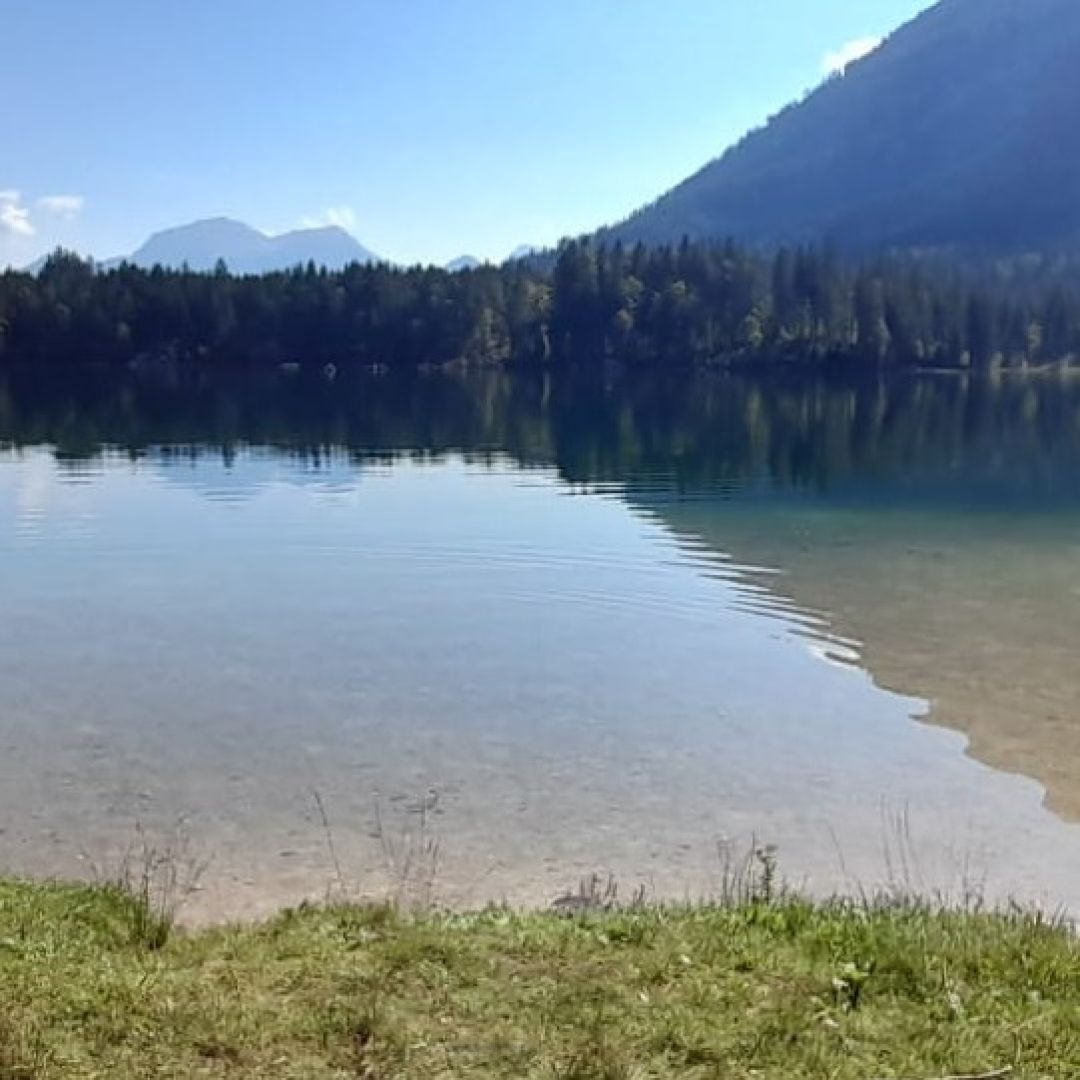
428,130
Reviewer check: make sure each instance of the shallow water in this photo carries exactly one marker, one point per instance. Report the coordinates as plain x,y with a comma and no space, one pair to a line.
542,631
980,611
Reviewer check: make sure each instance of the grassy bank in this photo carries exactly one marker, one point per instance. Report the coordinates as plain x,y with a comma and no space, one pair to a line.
92,985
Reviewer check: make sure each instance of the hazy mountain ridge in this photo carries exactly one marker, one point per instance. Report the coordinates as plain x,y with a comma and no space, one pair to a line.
463,262
470,262
245,250
958,131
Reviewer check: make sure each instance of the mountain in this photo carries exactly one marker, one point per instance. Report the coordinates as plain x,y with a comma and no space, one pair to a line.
959,131
469,262
463,262
246,250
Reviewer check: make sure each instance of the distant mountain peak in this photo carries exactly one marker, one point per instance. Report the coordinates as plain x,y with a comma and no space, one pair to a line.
316,230
201,244
213,227
463,262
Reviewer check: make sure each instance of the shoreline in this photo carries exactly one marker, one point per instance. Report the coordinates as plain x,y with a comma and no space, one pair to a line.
420,868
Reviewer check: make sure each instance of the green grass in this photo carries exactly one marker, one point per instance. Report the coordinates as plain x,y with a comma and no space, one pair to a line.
90,986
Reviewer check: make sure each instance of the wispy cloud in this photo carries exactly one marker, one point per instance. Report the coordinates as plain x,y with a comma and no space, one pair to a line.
62,206
14,216
837,62
344,217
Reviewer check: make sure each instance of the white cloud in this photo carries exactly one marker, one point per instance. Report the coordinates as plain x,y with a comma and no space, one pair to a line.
837,63
14,217
344,217
62,206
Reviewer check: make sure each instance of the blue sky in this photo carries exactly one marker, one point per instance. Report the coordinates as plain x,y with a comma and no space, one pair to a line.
429,128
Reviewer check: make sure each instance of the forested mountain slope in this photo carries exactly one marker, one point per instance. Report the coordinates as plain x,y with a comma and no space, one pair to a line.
959,132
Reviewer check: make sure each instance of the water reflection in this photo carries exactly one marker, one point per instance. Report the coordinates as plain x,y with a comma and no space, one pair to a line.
579,611
945,437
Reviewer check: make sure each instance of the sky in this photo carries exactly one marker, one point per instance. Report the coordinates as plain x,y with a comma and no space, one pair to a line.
428,128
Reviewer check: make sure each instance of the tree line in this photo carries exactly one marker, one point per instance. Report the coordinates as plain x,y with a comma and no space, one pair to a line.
588,303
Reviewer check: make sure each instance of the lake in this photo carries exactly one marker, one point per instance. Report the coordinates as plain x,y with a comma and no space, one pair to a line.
474,638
